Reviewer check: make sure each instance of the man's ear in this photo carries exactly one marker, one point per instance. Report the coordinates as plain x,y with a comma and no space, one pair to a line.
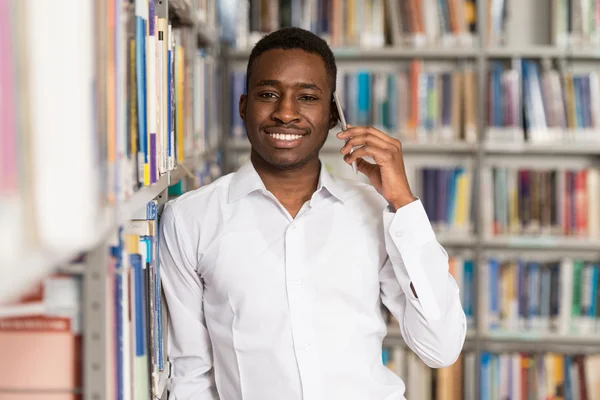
242,106
334,117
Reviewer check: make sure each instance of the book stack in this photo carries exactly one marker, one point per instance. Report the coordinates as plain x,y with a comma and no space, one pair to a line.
41,341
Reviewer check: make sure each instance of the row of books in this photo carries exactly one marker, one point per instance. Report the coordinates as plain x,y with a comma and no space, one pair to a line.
447,194
41,333
445,23
363,23
541,201
351,24
558,296
569,23
419,23
547,375
416,103
168,92
507,375
575,23
117,103
542,105
135,353
426,383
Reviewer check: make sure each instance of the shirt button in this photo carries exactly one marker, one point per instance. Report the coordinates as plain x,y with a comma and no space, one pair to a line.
306,347
399,233
297,282
293,227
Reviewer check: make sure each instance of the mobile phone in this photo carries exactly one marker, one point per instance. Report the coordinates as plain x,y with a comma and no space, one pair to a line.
343,123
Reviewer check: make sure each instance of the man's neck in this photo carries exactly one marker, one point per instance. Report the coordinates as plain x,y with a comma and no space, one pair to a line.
291,187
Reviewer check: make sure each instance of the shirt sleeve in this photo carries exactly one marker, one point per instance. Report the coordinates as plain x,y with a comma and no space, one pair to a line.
433,324
189,346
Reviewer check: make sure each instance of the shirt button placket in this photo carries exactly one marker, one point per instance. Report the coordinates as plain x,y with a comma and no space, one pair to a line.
299,303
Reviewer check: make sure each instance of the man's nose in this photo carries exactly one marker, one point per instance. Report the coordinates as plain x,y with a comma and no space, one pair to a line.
286,111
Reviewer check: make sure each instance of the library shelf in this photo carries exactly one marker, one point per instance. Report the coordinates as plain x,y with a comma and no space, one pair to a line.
38,262
558,149
548,338
542,52
542,242
456,239
386,53
538,343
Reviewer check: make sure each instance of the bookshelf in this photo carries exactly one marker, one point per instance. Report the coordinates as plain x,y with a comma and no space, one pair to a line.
529,31
98,139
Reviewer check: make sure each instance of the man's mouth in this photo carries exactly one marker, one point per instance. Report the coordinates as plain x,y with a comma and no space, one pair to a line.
285,138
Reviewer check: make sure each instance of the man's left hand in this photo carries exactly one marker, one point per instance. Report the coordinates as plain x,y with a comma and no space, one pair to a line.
388,174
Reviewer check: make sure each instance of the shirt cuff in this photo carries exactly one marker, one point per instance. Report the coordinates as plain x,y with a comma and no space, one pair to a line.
410,225
411,239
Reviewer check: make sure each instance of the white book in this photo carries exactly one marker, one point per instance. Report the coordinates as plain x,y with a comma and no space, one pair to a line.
593,192
516,377
566,295
66,173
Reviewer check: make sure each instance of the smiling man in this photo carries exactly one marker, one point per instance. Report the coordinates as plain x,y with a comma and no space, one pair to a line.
275,275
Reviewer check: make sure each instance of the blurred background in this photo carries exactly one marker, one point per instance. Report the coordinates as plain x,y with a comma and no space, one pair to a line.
109,108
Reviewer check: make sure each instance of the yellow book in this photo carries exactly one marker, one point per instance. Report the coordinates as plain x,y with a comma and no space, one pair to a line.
463,195
570,100
179,101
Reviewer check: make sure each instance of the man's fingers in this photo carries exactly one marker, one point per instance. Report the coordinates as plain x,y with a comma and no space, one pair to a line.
376,153
369,130
364,139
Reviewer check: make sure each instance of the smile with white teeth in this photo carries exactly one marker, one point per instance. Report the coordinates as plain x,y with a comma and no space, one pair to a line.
283,136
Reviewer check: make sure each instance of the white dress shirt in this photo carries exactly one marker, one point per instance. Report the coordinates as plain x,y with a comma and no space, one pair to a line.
264,306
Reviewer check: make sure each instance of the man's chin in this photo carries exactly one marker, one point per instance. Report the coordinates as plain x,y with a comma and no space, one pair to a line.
287,163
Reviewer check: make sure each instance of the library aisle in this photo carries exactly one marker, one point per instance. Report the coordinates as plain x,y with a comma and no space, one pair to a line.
109,108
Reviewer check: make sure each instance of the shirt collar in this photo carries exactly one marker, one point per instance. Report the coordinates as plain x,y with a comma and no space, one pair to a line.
246,180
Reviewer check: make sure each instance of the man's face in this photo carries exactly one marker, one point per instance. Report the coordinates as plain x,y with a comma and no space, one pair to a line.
288,108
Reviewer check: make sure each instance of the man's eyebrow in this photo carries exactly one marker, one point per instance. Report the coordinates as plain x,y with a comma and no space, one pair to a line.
268,82
307,85
275,82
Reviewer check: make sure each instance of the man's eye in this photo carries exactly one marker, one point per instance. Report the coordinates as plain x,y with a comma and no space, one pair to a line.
308,98
267,95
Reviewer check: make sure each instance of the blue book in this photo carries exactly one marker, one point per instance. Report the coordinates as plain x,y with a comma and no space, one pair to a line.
140,48
364,98
467,295
115,252
140,304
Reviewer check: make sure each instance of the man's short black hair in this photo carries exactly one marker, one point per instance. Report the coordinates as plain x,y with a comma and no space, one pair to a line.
295,38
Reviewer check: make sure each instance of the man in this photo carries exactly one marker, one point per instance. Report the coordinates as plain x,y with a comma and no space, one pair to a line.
274,275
